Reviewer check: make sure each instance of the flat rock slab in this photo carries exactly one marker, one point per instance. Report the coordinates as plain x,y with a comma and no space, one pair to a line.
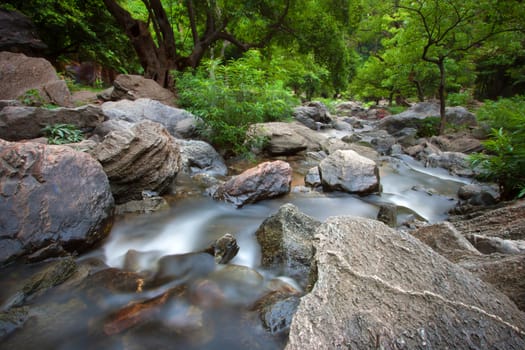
382,289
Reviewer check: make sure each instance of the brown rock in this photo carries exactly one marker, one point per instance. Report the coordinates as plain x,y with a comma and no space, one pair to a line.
141,158
132,87
267,180
51,194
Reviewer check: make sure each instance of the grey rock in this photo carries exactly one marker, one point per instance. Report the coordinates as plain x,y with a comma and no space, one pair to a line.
19,34
347,171
146,205
179,122
200,157
455,162
312,178
133,87
314,115
388,214
378,288
287,246
491,245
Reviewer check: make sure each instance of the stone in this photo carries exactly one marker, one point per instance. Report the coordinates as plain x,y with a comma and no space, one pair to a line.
491,245
507,222
18,34
133,87
144,157
183,267
286,245
462,142
456,163
198,157
285,138
267,180
459,115
21,74
51,194
314,115
21,123
146,205
347,171
276,312
388,214
379,288
178,122
312,178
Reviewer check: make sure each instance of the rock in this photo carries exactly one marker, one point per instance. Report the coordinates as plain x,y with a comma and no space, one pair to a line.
490,245
477,195
378,288
350,109
407,137
144,157
111,125
457,142
183,267
349,172
505,272
285,138
19,34
224,249
312,178
507,222
21,123
267,180
199,157
313,114
180,123
276,312
146,205
133,87
444,239
51,194
286,245
21,74
241,285
412,117
455,162
388,214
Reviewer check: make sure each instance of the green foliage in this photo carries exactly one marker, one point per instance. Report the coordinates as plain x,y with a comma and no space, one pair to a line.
230,97
504,160
32,97
463,98
428,127
397,109
59,134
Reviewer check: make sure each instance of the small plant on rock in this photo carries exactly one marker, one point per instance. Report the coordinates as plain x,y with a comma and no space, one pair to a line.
59,134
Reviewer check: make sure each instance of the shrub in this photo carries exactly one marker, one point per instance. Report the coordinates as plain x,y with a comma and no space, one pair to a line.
59,134
460,99
428,127
504,159
230,97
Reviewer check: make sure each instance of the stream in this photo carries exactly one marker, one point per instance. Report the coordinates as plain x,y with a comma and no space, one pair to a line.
190,225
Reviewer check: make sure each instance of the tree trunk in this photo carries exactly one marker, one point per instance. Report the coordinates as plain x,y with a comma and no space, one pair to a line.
441,92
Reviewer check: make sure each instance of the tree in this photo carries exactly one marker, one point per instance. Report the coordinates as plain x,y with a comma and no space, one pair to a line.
449,29
208,22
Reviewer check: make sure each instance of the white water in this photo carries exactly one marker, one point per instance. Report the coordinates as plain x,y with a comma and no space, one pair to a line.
193,223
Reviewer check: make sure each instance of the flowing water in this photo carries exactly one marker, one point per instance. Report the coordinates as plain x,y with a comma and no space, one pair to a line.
190,225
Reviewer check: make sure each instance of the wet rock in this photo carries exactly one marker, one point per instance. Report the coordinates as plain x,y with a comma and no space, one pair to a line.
276,312
200,157
146,205
314,115
407,137
12,320
51,195
183,267
144,157
241,285
476,195
384,288
455,162
19,34
312,178
133,87
286,244
178,122
267,180
224,249
347,171
388,214
19,123
21,74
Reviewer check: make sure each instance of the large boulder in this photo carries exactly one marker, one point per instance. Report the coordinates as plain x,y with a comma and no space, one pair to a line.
18,34
347,171
142,158
180,123
267,180
413,116
21,74
285,138
198,157
314,115
286,244
19,123
133,87
51,195
456,163
378,288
